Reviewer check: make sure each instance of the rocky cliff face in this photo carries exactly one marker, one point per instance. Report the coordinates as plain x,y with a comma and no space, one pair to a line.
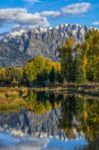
40,41
10,56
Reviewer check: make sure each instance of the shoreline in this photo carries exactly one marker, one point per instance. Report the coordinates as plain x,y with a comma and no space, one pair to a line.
89,89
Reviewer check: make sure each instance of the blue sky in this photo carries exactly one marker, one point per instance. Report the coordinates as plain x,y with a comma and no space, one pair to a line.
35,13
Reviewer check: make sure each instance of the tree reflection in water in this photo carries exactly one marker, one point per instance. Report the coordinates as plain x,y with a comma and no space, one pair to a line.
79,115
76,115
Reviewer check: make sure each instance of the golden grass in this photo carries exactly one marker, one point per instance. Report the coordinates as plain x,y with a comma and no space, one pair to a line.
9,99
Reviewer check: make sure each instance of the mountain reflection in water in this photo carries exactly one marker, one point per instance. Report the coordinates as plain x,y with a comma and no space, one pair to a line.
51,121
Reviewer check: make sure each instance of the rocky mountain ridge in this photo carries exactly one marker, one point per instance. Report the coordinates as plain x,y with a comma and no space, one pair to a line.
26,44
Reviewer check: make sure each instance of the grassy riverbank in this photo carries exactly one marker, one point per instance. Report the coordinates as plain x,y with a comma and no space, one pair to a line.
90,88
13,97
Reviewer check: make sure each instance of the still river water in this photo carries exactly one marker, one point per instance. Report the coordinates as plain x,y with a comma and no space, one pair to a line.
50,121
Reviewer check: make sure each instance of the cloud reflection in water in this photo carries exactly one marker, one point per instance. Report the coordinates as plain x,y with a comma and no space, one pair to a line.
9,142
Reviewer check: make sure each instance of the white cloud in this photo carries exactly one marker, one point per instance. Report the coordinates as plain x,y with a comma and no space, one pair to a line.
32,1
11,13
32,19
96,23
76,8
22,17
50,13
